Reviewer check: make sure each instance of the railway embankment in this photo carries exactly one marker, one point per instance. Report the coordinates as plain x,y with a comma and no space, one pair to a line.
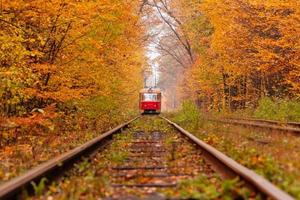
265,147
147,157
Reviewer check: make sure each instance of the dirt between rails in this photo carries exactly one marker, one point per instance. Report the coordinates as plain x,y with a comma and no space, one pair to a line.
149,160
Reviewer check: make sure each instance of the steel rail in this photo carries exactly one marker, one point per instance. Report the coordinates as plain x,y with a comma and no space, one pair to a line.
266,124
233,169
267,121
10,189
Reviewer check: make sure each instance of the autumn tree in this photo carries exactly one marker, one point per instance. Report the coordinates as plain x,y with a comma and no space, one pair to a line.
244,50
62,50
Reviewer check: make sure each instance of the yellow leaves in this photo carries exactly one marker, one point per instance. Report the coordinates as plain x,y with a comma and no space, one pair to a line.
72,50
8,150
44,68
257,160
294,4
254,49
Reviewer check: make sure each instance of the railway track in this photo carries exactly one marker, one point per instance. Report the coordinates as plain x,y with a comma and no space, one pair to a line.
139,160
292,127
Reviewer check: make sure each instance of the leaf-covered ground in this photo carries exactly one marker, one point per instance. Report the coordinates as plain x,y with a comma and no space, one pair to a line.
35,143
275,155
97,177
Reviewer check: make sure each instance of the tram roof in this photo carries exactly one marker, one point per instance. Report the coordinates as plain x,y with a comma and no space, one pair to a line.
153,90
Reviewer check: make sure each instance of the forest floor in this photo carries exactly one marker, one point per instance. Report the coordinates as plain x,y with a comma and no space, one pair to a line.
40,140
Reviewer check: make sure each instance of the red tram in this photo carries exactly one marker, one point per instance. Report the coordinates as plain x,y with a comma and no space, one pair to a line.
150,100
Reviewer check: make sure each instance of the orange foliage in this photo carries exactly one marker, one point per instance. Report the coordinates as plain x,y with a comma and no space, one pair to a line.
245,50
60,51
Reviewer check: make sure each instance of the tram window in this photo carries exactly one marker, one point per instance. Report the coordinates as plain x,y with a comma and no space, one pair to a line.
150,97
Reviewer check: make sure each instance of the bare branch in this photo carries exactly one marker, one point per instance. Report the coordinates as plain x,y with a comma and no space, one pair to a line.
185,43
173,55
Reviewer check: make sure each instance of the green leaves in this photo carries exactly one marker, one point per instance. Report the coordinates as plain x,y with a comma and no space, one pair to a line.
39,188
283,110
189,115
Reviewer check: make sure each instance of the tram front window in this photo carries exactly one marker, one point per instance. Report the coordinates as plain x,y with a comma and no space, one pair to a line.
150,97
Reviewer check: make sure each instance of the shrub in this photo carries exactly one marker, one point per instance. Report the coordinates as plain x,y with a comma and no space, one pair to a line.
284,110
189,115
289,111
266,109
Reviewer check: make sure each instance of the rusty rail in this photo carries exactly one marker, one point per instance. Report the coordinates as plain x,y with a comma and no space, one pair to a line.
266,121
293,127
10,189
230,168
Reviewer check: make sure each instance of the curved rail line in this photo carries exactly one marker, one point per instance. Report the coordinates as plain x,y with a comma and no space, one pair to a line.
220,162
293,127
